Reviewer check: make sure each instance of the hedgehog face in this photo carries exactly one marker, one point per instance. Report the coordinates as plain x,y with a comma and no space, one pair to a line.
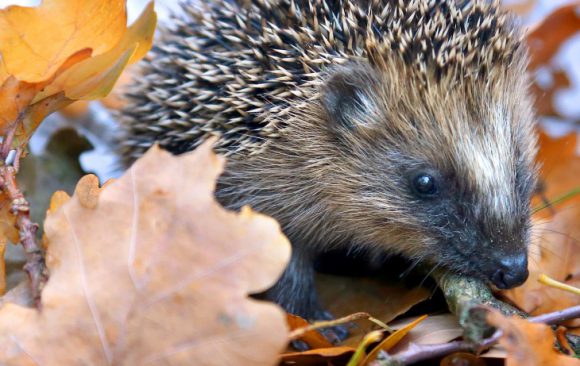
447,175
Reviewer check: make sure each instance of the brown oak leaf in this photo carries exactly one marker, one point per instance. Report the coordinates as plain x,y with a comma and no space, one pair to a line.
528,344
151,270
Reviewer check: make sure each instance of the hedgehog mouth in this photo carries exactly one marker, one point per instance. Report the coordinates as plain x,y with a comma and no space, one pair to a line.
468,266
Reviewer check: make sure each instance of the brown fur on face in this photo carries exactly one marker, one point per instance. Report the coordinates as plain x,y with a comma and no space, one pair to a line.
345,180
329,111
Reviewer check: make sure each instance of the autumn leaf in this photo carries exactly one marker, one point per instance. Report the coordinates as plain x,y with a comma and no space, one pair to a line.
321,356
385,299
57,53
150,269
94,78
544,39
393,339
35,42
313,338
528,344
436,329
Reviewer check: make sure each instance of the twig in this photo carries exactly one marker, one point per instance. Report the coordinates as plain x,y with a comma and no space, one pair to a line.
27,230
35,266
417,353
8,138
297,333
557,317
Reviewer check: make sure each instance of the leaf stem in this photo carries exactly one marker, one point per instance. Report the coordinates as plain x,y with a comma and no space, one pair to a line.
548,281
297,333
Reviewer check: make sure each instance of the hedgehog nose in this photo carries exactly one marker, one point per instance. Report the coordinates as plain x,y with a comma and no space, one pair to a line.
512,271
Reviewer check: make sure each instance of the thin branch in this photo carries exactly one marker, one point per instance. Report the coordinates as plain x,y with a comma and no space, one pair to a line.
297,333
557,317
35,265
8,139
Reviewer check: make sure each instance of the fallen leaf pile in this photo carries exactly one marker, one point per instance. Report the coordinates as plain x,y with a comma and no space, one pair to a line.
150,269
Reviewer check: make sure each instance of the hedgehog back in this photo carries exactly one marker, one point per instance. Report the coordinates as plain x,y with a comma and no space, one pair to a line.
235,69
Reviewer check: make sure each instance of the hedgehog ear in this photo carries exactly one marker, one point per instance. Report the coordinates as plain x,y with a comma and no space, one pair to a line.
347,95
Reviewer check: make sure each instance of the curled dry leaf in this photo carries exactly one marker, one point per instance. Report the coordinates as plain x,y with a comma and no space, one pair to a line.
94,78
322,356
528,344
63,51
34,42
436,329
151,270
393,339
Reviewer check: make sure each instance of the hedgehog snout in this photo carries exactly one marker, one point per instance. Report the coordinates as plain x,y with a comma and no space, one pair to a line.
508,271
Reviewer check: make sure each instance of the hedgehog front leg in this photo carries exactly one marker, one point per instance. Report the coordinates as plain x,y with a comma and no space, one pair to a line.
295,291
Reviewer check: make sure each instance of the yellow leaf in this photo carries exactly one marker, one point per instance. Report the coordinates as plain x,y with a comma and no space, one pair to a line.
95,77
150,269
14,97
393,339
34,42
84,66
319,356
3,71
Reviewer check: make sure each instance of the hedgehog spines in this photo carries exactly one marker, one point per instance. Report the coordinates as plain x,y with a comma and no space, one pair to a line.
232,67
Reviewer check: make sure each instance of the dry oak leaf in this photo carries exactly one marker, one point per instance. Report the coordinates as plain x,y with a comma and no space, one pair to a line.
36,41
151,270
64,51
528,344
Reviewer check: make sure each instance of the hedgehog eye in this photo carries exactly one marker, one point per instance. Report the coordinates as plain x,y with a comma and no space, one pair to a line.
425,185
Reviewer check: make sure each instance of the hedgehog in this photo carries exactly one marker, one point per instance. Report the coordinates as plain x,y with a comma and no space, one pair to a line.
385,126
